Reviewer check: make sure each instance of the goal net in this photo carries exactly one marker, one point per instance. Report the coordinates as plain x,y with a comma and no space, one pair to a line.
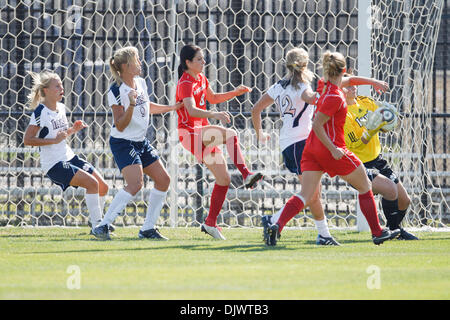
244,42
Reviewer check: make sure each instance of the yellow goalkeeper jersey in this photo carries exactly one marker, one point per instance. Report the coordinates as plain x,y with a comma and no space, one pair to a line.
353,130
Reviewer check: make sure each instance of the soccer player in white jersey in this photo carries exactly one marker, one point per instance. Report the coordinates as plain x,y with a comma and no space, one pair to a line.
133,154
295,100
48,129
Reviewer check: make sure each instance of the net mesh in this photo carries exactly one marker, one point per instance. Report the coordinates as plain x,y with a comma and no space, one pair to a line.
244,43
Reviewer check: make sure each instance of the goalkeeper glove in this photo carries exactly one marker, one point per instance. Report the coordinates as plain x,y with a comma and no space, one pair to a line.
372,125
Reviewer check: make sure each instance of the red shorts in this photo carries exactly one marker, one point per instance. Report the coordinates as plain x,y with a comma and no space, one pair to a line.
191,140
322,160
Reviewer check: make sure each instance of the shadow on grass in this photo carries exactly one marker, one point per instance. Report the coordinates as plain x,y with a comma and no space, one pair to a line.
196,247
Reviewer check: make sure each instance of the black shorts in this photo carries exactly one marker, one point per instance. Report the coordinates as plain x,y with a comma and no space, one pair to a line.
63,172
292,156
127,152
380,166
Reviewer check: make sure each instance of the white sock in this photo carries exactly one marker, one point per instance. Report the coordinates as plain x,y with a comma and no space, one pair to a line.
276,216
155,204
102,204
322,227
93,205
119,203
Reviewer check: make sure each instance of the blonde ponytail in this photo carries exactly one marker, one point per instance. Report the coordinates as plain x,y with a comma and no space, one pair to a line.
121,56
39,82
297,64
333,64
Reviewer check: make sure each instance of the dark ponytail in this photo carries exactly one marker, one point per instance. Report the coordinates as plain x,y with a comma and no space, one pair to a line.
188,52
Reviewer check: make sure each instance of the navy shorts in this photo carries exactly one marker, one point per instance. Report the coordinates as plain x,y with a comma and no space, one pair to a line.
292,156
381,167
63,172
127,152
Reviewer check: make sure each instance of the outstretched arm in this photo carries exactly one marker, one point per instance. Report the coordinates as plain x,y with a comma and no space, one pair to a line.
215,98
378,85
262,104
156,108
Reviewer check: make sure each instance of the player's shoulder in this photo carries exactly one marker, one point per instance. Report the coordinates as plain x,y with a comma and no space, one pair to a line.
186,79
278,87
284,83
38,110
365,99
114,89
368,102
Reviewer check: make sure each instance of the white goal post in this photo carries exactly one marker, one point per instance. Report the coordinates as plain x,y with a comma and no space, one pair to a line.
244,42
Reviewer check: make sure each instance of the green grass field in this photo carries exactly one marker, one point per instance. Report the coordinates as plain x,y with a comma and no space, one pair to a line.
34,264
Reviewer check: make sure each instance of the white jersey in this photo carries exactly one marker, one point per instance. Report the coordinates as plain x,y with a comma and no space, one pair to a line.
295,113
51,122
137,128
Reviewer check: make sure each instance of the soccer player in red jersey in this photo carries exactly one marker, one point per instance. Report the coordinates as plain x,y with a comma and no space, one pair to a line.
202,139
325,151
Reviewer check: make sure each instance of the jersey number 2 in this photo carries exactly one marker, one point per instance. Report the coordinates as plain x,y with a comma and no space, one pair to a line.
286,105
297,118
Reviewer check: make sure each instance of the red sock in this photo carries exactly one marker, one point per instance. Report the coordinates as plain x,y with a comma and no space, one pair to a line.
369,210
217,198
290,210
234,150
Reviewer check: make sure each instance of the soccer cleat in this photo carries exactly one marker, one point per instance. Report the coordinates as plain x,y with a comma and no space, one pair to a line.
326,241
385,235
213,232
111,227
252,179
405,235
101,232
266,221
151,234
273,233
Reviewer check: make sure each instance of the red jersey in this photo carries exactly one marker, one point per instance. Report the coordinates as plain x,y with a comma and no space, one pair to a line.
189,87
332,103
316,157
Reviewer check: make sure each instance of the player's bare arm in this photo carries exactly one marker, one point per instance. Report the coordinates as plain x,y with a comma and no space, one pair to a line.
215,98
264,102
77,126
378,85
156,108
121,116
189,104
309,96
30,138
319,120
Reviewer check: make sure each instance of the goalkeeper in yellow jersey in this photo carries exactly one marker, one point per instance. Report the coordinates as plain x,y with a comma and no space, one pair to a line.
361,137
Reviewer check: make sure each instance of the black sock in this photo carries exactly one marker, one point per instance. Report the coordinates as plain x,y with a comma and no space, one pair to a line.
399,217
390,210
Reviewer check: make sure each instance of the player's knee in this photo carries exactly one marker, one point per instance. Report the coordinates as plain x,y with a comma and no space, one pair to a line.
404,201
224,180
135,187
163,183
92,185
390,192
103,189
365,187
230,133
